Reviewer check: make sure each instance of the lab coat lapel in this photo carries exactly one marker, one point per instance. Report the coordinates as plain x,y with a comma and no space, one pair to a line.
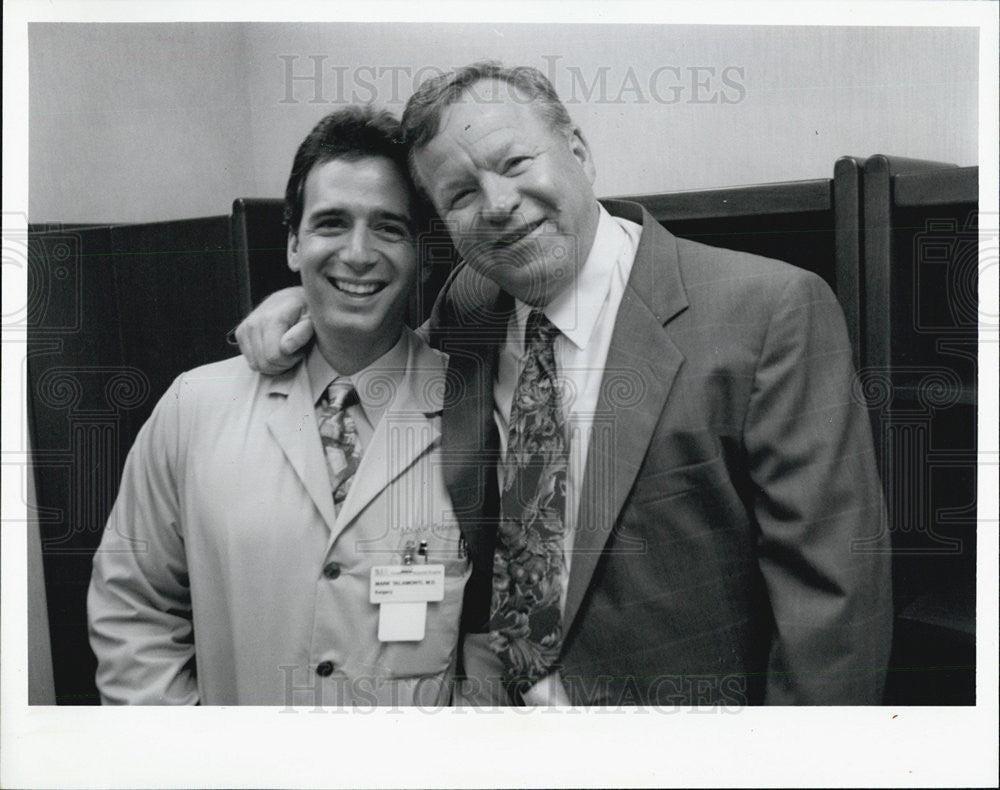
292,425
410,425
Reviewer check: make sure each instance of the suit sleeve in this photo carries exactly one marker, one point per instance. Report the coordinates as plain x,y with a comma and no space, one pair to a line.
823,544
139,603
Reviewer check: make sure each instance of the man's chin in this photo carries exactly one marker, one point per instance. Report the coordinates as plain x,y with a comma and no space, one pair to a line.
532,284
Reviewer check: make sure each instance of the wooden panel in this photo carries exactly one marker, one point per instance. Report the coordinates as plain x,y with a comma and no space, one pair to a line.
36,228
920,375
260,243
74,348
879,171
848,246
178,297
41,683
921,274
934,650
937,187
792,221
788,197
115,314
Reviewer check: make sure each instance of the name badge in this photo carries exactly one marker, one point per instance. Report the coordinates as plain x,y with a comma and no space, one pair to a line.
406,583
402,593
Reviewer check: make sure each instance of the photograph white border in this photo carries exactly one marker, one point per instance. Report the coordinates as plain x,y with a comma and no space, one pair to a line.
53,746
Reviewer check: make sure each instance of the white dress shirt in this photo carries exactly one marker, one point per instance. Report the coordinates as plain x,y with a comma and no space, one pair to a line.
372,384
584,314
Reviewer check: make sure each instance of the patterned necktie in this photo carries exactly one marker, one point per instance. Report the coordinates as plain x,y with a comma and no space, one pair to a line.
339,436
525,621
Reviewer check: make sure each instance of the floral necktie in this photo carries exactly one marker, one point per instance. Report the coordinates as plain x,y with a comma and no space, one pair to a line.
528,566
339,436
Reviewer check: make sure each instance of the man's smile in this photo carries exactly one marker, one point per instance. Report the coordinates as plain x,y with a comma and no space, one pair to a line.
511,238
357,288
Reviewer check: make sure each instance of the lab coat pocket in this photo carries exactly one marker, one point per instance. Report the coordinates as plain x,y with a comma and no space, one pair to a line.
435,653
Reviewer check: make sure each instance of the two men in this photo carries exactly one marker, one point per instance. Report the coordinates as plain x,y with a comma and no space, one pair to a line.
269,531
668,492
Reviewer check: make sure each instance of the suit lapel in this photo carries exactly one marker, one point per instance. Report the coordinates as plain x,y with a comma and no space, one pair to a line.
402,435
641,355
470,325
293,426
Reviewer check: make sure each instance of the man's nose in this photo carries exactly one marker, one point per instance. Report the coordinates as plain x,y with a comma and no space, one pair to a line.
500,199
358,250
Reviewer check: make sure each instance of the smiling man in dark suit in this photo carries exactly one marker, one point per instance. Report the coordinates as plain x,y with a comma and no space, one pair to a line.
668,492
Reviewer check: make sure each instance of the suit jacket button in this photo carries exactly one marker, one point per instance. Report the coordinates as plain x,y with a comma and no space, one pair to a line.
324,669
331,570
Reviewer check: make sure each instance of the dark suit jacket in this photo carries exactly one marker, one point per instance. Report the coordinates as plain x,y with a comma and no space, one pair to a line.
731,545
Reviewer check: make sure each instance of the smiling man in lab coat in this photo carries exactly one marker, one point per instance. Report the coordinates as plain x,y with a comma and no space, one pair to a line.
266,546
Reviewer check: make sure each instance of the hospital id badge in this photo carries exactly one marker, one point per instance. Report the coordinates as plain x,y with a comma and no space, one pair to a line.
402,593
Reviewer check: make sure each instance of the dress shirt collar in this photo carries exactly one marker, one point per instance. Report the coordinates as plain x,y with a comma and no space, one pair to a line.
382,376
573,310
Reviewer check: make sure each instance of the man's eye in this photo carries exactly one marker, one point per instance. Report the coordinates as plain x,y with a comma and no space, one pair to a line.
461,198
393,232
515,164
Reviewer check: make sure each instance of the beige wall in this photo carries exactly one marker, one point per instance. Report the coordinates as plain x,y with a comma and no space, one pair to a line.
130,123
147,122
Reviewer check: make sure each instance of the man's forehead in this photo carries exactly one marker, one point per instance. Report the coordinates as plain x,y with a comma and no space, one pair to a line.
367,184
490,106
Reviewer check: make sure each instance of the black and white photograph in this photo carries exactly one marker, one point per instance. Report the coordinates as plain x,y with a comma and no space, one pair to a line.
539,395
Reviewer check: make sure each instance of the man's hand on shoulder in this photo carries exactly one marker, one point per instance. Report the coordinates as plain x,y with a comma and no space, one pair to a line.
273,337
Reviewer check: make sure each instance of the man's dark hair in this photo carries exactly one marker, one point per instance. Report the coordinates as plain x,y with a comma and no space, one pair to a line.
422,116
352,133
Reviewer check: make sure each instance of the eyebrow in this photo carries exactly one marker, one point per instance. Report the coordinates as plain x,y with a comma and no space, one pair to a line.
391,215
505,151
453,184
323,213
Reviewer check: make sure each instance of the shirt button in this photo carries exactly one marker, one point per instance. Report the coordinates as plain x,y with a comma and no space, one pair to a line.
331,570
324,669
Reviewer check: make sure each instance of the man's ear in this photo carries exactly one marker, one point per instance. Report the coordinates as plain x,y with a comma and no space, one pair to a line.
579,147
293,251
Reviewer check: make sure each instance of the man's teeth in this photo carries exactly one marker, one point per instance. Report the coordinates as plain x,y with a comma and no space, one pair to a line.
358,289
